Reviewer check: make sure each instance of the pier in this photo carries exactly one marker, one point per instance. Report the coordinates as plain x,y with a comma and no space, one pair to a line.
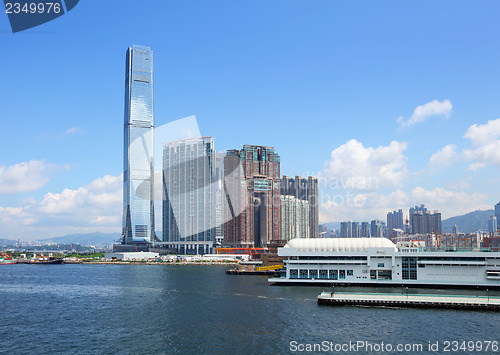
409,300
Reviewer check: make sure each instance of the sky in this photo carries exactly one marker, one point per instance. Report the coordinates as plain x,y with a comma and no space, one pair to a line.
390,103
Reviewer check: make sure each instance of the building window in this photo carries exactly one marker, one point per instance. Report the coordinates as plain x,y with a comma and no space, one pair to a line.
334,274
409,268
341,274
350,273
323,274
294,274
304,274
313,274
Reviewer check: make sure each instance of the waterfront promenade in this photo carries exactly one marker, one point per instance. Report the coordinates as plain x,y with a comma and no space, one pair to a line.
154,262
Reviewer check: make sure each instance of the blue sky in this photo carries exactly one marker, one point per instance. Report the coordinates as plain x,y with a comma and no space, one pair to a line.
324,82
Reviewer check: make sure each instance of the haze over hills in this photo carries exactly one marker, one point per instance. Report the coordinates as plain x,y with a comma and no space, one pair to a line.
469,222
85,239
5,242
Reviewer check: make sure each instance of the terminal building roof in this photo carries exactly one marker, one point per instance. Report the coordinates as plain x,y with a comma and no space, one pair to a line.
338,244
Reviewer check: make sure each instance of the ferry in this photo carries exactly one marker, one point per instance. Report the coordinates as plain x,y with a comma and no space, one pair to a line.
381,262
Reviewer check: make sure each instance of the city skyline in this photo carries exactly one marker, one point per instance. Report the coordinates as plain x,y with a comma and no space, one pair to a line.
388,114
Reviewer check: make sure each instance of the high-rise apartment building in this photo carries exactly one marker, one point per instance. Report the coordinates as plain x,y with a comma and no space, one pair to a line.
416,209
304,189
219,197
349,229
394,221
497,211
138,154
377,228
425,222
345,229
294,218
355,229
252,185
365,230
189,219
492,225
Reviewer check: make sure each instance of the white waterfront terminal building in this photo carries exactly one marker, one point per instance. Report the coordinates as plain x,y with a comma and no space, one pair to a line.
378,261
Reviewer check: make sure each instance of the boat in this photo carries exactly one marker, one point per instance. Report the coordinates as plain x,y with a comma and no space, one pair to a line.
6,259
49,261
7,262
381,262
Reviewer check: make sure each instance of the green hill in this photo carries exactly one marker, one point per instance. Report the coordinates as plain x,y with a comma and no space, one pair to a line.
469,222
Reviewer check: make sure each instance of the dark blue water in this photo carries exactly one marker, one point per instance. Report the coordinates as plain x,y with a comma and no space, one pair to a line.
153,309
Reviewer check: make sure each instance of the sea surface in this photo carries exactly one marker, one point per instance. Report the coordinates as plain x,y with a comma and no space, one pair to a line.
191,309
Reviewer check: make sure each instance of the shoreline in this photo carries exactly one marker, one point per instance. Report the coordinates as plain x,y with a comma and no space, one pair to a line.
209,263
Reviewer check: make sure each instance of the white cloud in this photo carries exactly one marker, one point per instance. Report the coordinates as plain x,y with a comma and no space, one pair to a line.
449,203
443,158
374,205
485,140
479,134
102,197
25,176
74,130
423,112
352,166
95,206
475,167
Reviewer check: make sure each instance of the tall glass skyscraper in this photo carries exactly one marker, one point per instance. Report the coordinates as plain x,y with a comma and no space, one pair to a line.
138,154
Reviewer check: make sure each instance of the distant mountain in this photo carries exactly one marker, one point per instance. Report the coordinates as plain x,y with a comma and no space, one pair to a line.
330,225
469,222
6,242
85,239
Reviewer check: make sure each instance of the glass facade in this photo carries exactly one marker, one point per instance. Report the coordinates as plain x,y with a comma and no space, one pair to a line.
138,170
189,218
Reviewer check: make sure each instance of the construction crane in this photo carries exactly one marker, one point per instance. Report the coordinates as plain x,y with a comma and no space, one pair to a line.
438,240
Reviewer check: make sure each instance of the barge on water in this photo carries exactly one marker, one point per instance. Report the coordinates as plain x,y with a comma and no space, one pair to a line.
380,262
255,268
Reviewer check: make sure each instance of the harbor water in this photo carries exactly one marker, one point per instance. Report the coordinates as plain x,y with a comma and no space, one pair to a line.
193,309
